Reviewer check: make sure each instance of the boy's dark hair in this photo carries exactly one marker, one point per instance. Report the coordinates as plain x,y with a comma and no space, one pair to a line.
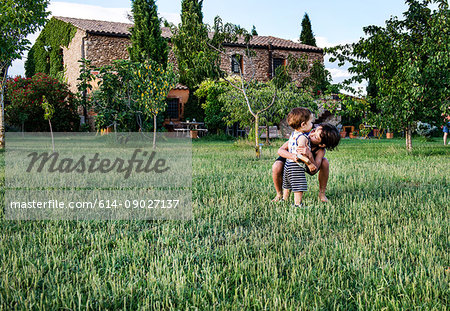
330,136
297,116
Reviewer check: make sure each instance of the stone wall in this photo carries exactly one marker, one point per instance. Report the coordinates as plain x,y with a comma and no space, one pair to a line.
102,50
256,67
259,66
71,55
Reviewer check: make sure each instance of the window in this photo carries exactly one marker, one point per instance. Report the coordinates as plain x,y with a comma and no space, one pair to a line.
276,62
236,63
172,108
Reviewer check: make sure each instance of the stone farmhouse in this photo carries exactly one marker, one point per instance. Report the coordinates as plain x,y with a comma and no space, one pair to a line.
102,42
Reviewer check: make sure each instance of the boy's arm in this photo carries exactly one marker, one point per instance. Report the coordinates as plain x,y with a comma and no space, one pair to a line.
302,143
304,150
317,161
283,152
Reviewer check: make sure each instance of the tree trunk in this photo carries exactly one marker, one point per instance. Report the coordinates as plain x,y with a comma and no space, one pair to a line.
154,131
268,133
258,154
2,109
51,133
408,138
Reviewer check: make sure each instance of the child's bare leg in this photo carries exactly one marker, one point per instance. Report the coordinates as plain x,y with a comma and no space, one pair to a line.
298,197
286,193
323,179
277,177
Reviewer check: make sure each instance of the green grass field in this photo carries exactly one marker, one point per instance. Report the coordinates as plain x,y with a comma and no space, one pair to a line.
381,242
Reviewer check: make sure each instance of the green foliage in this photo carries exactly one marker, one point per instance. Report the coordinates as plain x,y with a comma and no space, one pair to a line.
18,19
113,100
46,54
27,108
408,65
48,109
196,60
209,92
350,109
146,40
151,84
260,96
318,80
131,93
307,35
84,84
288,97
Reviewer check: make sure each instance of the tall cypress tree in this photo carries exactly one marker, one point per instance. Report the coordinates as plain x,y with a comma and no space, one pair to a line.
146,39
307,36
196,60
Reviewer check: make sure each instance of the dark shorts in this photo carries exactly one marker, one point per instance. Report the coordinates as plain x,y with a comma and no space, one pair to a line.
445,129
306,168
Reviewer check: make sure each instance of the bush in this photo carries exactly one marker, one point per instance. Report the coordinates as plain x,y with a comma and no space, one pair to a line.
209,92
25,104
425,129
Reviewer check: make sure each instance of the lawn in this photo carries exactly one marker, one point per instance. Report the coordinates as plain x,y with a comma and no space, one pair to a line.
381,242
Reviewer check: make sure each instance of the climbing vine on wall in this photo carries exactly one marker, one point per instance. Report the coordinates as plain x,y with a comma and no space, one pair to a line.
46,54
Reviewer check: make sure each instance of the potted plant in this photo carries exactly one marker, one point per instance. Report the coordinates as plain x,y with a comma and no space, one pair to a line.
389,134
353,134
194,134
343,134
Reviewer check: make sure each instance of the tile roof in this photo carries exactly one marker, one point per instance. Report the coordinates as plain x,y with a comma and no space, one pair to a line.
265,41
122,29
105,27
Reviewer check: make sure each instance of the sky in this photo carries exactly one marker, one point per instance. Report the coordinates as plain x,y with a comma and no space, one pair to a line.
333,21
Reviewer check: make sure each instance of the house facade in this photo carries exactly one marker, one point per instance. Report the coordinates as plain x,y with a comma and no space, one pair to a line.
102,42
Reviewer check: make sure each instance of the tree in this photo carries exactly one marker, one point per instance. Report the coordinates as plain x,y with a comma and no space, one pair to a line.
196,61
408,65
113,101
48,114
18,19
307,35
146,40
152,84
255,95
269,104
84,85
131,93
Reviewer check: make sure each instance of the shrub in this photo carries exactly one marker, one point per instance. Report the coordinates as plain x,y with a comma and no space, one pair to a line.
25,107
425,129
209,92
